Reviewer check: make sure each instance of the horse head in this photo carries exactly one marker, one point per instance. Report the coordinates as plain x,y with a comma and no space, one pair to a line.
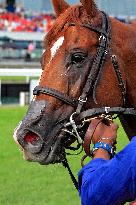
80,41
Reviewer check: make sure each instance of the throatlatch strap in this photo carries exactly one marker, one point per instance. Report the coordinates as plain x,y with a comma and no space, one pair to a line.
119,77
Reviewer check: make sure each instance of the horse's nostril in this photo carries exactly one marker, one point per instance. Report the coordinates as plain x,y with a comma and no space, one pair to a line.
32,143
31,138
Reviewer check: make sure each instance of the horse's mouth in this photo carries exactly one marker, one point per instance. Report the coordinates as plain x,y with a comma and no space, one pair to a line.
35,149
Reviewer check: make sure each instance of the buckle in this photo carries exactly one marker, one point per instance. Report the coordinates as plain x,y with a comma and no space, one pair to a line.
114,58
80,99
36,90
102,37
107,109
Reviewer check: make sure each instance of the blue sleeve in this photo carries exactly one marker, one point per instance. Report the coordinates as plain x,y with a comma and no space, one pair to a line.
110,182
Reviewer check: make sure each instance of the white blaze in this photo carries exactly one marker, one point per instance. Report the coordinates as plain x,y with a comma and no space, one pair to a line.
56,46
15,132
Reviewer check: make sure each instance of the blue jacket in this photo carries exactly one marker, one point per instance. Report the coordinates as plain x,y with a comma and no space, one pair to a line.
110,182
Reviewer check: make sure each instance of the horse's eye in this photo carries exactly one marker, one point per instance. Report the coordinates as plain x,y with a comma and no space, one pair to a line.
77,58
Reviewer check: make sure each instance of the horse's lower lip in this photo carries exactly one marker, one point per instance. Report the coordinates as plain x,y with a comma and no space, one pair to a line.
50,158
56,153
53,158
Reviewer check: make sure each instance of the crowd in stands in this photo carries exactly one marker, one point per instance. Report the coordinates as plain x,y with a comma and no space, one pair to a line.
29,22
21,20
16,19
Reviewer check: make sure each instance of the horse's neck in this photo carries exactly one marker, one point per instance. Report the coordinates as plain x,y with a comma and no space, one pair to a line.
133,24
125,39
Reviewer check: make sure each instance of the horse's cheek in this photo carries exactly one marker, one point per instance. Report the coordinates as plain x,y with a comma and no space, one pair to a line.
107,94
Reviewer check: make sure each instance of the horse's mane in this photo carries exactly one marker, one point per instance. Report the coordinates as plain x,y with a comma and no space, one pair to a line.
75,14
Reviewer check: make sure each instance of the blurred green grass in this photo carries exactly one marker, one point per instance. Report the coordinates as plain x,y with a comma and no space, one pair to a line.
15,79
24,183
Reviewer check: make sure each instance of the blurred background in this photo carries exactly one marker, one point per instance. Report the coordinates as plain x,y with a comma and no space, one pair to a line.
23,25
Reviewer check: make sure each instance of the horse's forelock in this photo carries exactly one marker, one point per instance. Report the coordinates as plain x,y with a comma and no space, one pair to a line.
70,15
74,14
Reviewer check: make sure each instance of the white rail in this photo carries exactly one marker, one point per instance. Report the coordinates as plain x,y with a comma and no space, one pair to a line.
27,72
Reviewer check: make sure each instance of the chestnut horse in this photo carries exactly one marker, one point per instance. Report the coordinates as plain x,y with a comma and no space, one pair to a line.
89,67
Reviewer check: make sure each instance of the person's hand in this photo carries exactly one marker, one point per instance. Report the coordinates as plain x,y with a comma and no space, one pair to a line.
105,132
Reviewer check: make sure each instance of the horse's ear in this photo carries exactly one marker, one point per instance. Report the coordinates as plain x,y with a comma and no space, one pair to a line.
59,6
90,7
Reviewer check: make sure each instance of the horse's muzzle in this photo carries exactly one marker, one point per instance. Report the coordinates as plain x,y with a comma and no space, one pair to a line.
37,150
39,136
30,143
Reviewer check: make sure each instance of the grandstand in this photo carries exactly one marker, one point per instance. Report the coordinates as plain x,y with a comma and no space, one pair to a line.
37,15
113,7
34,18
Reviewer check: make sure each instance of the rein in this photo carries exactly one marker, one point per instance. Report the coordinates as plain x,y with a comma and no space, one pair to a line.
90,87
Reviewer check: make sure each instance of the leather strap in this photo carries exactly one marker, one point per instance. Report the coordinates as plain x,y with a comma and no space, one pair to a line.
106,110
89,134
91,27
55,93
97,63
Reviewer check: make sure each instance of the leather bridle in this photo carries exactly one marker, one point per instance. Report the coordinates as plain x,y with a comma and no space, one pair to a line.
91,83
95,70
